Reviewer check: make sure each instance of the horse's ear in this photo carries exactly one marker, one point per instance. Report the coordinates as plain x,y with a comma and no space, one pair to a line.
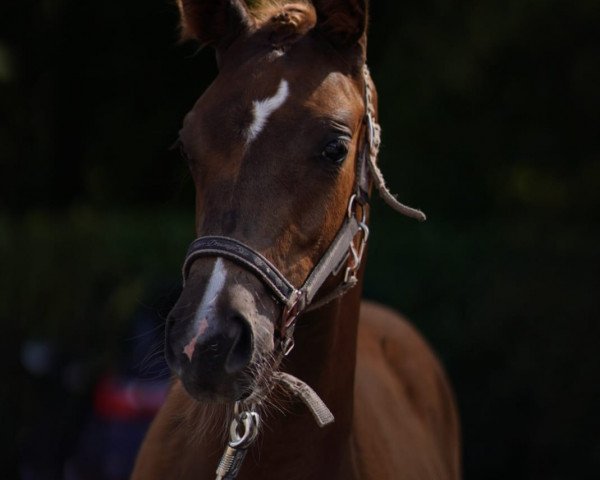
343,22
213,22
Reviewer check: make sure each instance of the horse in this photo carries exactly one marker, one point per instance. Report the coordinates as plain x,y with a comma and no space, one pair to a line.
270,332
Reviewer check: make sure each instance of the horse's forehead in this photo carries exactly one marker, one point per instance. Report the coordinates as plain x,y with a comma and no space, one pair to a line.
241,105
309,67
315,89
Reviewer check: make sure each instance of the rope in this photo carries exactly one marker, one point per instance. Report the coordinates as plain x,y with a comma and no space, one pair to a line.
388,198
374,143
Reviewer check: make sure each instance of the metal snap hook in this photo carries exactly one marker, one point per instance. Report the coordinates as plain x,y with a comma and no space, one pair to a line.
242,432
243,429
288,345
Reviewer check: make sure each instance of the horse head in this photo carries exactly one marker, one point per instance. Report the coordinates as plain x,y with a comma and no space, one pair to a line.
272,147
282,149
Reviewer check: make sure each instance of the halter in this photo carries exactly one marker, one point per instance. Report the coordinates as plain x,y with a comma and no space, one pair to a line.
295,300
346,250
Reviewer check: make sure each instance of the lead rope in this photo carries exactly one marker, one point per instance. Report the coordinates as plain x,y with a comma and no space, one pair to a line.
374,139
242,433
374,143
245,425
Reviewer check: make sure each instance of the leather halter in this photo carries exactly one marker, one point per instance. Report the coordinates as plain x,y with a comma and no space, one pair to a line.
341,252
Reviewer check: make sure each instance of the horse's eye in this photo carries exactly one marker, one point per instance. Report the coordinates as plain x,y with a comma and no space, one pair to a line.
335,151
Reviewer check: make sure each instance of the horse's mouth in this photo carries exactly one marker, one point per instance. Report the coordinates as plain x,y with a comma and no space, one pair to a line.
253,384
245,390
220,336
226,390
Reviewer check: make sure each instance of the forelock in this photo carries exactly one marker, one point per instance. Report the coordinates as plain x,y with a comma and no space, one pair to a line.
284,21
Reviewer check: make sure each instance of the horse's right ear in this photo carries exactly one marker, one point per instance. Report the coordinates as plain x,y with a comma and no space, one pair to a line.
213,22
343,22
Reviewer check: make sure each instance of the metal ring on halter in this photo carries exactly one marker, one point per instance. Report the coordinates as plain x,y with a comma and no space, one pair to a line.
356,254
364,228
352,204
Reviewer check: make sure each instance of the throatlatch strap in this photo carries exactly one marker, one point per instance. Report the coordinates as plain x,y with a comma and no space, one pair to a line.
243,255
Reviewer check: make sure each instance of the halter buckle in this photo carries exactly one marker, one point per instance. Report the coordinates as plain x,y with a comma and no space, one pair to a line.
289,315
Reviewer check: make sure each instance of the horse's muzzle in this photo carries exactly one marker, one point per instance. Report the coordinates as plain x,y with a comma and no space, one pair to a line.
215,332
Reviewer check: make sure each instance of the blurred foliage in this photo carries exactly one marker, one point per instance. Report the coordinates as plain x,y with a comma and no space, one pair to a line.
490,114
77,276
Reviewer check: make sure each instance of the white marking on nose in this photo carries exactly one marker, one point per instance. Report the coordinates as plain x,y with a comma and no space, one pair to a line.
264,108
215,285
213,289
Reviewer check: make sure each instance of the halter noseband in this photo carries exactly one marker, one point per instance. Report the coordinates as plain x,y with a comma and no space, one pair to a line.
342,250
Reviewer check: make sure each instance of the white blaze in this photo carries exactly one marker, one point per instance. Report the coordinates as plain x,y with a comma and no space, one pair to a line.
214,287
264,108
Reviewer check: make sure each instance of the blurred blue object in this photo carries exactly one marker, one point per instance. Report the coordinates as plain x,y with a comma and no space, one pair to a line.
38,357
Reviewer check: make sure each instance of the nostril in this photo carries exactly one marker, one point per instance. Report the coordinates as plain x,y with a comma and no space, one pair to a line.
240,353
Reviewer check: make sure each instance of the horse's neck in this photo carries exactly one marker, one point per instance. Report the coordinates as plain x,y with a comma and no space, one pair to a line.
292,445
325,353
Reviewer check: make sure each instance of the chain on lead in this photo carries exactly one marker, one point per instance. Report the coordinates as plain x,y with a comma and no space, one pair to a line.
242,433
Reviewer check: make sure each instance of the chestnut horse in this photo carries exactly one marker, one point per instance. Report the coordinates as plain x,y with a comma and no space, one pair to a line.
282,151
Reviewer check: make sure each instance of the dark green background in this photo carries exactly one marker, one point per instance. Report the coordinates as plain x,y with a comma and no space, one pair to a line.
490,113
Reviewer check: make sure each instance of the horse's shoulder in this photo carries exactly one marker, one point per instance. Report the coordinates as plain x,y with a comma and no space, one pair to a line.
387,332
399,378
391,344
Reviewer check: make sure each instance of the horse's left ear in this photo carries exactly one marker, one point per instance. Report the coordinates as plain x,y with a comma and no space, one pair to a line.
213,22
343,22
